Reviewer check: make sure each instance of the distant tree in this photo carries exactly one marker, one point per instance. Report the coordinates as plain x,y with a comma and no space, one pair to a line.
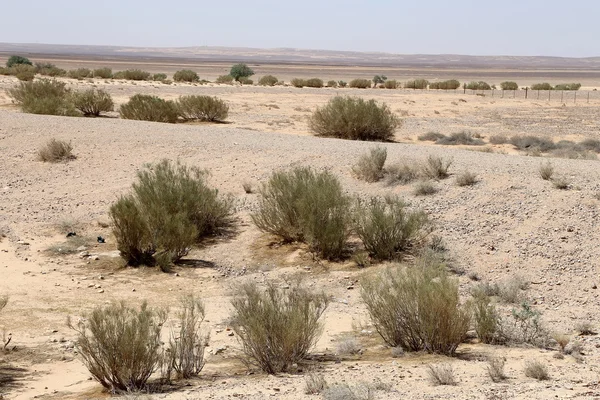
14,60
509,85
379,79
241,71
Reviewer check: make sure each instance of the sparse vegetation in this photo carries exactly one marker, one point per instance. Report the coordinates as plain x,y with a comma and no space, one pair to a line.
370,165
80,73
400,174
541,86
186,75
93,102
240,71
332,84
56,151
360,83
203,108
343,391
297,82
379,80
466,178
268,80
314,83
529,142
133,75
568,86
509,85
228,79
17,60
498,139
464,138
561,182
104,73
585,328
342,84
431,136
536,369
424,188
524,326
437,167
478,86
441,374
354,118
391,84
495,369
143,107
417,84
314,383
546,170
44,96
277,327
160,77
451,84
486,318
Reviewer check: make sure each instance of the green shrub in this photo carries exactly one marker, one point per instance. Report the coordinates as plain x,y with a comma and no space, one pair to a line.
170,209
56,151
437,167
417,308
524,326
332,84
314,83
240,71
568,86
25,76
297,82
93,102
133,75
80,73
509,86
529,142
342,84
159,77
245,80
445,85
225,79
120,345
17,60
143,107
486,318
277,327
387,227
43,96
370,165
354,118
51,70
268,80
417,84
186,75
379,80
391,84
481,85
360,83
103,73
306,206
541,86
464,138
203,108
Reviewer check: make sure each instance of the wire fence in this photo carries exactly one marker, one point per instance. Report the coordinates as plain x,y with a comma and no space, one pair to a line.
559,96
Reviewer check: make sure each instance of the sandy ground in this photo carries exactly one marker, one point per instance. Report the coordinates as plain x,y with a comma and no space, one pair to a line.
511,222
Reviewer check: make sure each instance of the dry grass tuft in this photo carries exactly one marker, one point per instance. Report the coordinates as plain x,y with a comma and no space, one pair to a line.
370,165
495,369
562,341
314,383
561,182
546,170
437,167
466,178
424,188
441,374
585,328
56,151
536,369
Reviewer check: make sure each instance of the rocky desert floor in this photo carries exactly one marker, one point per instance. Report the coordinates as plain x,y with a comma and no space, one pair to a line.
511,223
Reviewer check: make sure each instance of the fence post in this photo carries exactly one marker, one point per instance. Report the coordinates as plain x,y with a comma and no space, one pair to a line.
526,89
549,93
561,95
502,93
588,97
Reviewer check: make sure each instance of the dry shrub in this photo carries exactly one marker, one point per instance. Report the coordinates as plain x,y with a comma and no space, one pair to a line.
120,345
495,369
466,178
228,79
481,85
203,108
509,85
400,174
348,346
297,82
529,142
268,80
417,84
424,188
343,391
342,84
387,227
585,328
25,75
80,73
93,102
170,209
561,340
451,84
314,83
44,96
498,139
354,118
370,165
417,308
591,144
536,369
56,151
51,70
104,73
441,374
244,80
160,77
133,75
277,327
524,326
185,351
186,75
460,138
391,84
332,84
546,170
561,182
437,167
314,383
144,107
360,83
306,206
431,136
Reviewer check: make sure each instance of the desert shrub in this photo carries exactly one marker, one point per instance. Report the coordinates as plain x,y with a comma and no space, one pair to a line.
159,77
417,84
400,174
314,83
584,328
464,138
591,144
431,136
79,73
445,85
541,86
348,346
43,96
561,182
354,118
245,81
25,75
185,350
343,391
536,369
342,84
169,209
120,345
93,102
277,327
186,75
568,86
240,71
203,108
546,171
574,151
441,374
466,178
387,227
104,73
486,318
498,139
332,84
391,84
17,60
523,326
478,86
133,75
437,167
360,83
509,85
297,82
268,80
529,142
370,165
56,151
314,383
424,188
143,107
306,206
417,308
52,71
495,369
228,79
379,80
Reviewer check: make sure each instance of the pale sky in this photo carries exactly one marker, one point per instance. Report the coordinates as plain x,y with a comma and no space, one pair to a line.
473,27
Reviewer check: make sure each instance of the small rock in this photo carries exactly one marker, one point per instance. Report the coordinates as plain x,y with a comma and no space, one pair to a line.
230,334
101,291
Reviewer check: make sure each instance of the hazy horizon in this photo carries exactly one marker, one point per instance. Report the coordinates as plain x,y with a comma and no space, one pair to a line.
464,27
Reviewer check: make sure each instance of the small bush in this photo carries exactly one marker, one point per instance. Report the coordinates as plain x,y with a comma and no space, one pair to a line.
186,75
120,346
495,369
536,369
417,308
203,108
354,118
245,81
159,77
541,86
332,84
584,328
133,75
388,227
170,209
379,80
431,136
240,71
314,383
360,83
342,84
370,165
306,206
424,188
277,327
228,79
56,151
509,85
529,142
44,96
268,80
391,84
79,73
466,178
51,71
546,171
591,144
561,182
314,83
478,86
417,84
93,102
451,84
437,167
460,138
25,75
104,73
17,60
486,318
297,82
568,86
524,326
498,139
441,374
143,107
401,174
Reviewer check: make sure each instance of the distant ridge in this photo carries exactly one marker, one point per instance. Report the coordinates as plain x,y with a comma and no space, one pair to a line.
302,56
